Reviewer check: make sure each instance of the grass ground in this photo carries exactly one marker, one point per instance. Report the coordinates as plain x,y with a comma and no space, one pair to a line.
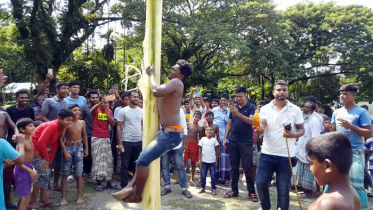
103,200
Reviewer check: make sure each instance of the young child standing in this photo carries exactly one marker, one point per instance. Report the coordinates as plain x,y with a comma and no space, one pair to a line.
47,135
24,175
192,141
330,157
208,158
327,125
210,119
73,153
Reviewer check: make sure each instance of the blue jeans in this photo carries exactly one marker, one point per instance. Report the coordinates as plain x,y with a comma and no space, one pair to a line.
176,157
75,162
268,164
164,141
211,168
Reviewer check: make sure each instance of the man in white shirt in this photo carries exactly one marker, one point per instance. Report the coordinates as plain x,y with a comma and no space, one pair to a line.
274,157
130,143
176,154
312,129
317,115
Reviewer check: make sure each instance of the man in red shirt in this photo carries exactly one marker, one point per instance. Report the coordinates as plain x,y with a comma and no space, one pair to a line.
47,135
102,168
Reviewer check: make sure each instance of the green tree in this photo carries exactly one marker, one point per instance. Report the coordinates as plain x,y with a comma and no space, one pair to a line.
50,31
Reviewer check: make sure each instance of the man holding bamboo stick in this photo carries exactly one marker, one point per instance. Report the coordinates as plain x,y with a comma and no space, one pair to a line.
275,153
169,98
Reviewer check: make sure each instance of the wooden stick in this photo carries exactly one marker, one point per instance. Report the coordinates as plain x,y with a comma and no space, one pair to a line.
292,174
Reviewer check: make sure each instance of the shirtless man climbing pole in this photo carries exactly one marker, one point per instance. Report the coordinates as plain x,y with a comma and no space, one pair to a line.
169,99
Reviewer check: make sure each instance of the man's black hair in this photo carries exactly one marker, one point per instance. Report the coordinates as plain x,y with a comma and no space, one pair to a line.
209,113
365,107
124,95
206,99
198,113
132,91
349,88
92,92
65,113
260,103
61,84
280,82
241,90
72,106
312,99
313,105
185,68
333,146
216,100
226,96
186,101
23,123
72,83
22,91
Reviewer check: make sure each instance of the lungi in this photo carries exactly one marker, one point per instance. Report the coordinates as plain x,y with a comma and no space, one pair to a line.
357,176
304,176
102,158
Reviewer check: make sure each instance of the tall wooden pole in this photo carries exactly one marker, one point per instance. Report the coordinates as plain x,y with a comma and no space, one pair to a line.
151,199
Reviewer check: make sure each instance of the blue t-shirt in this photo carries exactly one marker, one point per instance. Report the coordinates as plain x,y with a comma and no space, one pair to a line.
356,116
240,130
6,152
81,101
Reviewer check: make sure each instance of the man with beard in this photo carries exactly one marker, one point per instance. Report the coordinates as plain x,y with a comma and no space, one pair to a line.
114,144
312,128
221,117
49,111
169,98
16,112
354,122
129,135
274,157
87,117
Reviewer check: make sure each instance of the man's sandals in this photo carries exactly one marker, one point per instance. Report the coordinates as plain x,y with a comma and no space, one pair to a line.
230,194
165,191
253,197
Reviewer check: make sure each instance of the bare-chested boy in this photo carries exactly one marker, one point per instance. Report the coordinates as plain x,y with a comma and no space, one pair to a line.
24,174
73,154
169,99
194,134
330,156
5,123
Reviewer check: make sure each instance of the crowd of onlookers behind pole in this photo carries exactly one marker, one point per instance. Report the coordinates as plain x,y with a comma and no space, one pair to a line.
96,138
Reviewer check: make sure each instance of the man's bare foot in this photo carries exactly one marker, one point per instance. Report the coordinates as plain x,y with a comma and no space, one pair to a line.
133,199
124,193
64,202
79,201
192,183
201,191
213,192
